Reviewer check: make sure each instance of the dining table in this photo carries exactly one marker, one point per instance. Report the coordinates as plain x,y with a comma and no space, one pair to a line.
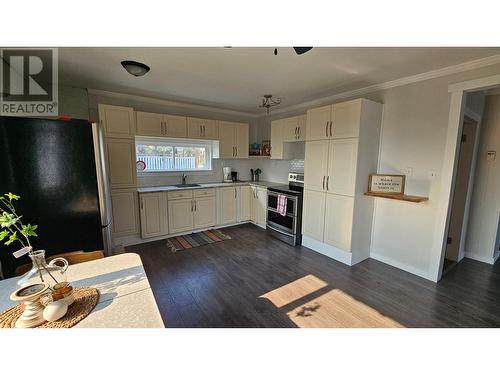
125,296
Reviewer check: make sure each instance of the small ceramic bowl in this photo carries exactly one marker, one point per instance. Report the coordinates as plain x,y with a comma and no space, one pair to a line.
63,292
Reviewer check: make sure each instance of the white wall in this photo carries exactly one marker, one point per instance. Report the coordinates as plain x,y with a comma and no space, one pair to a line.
484,222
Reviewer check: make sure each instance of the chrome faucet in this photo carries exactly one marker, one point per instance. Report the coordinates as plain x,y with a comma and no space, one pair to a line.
184,176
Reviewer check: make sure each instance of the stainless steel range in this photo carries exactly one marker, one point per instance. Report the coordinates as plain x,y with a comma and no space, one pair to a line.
287,228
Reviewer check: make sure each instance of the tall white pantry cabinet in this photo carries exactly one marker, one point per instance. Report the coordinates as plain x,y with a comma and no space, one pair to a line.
342,147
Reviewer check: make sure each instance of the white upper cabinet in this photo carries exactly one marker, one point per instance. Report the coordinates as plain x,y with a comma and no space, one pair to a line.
175,126
316,165
150,124
158,125
318,123
233,140
342,166
120,156
117,122
301,127
202,128
346,119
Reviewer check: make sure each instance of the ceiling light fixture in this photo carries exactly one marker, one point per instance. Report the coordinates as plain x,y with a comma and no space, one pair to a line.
135,68
268,102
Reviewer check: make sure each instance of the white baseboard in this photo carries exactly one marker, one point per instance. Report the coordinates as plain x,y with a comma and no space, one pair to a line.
330,251
481,258
402,266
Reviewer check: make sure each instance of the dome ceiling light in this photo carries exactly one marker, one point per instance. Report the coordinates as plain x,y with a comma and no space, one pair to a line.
135,68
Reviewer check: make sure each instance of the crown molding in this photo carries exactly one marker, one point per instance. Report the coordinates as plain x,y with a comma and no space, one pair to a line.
469,65
185,105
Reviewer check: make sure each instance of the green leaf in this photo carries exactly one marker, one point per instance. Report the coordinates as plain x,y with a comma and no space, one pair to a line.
12,238
29,230
12,196
3,234
6,220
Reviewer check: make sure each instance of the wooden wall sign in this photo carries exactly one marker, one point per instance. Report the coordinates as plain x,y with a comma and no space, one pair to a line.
387,183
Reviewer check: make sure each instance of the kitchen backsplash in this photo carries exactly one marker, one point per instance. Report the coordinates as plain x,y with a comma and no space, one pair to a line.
272,170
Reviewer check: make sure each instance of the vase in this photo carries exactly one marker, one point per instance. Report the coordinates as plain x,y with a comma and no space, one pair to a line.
41,272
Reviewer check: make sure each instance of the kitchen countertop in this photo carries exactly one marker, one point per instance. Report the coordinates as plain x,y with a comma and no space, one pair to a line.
152,189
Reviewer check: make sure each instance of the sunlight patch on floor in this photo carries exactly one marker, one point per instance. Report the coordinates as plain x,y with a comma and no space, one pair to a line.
336,309
295,290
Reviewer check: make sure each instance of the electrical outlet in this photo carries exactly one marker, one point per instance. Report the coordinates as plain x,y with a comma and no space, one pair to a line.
408,171
432,174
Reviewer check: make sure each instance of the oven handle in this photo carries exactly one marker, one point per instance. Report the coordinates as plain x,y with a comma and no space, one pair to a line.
275,210
274,194
274,227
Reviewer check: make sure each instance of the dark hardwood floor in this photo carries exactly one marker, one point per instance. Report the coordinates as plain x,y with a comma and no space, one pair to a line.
219,285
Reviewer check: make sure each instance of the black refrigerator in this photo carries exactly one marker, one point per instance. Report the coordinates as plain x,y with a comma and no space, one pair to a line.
52,165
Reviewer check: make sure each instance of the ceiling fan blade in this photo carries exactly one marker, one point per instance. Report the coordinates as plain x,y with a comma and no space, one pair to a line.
302,50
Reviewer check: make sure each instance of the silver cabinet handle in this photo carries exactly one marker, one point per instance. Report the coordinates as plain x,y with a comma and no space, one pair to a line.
142,203
195,205
331,123
327,179
299,132
323,182
236,150
235,193
326,128
204,131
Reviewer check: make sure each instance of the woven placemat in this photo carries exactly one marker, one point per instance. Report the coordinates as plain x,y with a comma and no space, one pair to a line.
85,301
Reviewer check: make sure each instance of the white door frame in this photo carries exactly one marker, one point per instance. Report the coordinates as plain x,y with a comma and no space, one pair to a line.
449,168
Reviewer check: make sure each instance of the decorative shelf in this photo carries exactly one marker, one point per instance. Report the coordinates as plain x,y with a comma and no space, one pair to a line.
400,197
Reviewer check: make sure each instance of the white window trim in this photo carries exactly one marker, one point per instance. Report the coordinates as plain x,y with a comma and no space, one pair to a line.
178,141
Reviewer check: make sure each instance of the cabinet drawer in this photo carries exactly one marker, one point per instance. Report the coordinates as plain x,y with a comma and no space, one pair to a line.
204,192
182,194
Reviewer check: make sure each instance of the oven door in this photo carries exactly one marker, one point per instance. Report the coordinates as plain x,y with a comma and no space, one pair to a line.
291,202
275,220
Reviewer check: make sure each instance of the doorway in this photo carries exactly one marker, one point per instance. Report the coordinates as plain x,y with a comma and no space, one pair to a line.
461,194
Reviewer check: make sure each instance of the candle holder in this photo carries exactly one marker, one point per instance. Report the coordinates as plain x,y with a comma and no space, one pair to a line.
33,309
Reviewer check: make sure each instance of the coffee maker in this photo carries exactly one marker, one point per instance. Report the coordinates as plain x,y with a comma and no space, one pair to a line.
226,171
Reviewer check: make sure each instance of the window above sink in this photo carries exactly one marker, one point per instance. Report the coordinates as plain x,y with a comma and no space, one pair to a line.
165,155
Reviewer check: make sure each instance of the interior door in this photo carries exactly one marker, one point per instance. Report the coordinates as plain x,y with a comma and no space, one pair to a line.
180,215
149,124
313,220
346,118
228,205
205,214
316,165
318,121
227,134
241,141
176,126
342,163
338,221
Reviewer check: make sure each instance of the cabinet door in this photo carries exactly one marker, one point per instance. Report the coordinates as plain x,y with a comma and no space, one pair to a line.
301,128
245,203
118,122
346,118
316,165
205,214
125,212
227,134
228,205
290,129
195,127
261,206
149,124
313,220
180,215
253,204
154,218
241,141
342,163
277,139
210,129
318,121
120,154
175,126
338,221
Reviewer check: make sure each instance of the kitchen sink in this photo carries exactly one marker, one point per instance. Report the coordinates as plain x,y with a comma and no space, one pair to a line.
186,185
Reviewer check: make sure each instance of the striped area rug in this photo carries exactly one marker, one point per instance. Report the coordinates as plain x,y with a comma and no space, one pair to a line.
189,241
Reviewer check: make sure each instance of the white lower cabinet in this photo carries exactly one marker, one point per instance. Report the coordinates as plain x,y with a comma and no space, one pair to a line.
228,205
259,205
125,212
313,217
205,214
338,221
245,203
154,214
180,215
